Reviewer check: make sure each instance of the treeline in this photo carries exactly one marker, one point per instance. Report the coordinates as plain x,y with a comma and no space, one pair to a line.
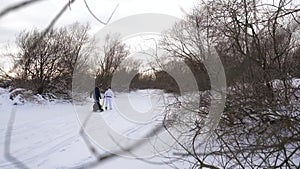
173,79
44,63
49,64
159,80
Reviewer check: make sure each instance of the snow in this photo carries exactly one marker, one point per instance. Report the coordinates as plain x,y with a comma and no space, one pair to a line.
296,82
278,84
46,136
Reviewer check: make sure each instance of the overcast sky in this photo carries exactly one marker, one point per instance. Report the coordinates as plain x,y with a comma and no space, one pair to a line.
40,14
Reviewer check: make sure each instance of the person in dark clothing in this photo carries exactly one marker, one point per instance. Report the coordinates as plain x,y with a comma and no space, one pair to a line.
97,96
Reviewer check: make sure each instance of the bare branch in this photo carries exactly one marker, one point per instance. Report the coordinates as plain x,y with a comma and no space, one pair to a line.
17,6
99,20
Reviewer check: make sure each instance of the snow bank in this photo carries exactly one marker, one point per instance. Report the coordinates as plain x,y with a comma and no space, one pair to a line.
4,97
21,96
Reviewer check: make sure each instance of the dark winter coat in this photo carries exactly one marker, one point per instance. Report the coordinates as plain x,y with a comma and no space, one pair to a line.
96,94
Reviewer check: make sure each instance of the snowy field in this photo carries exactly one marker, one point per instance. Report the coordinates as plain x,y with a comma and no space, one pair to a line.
46,136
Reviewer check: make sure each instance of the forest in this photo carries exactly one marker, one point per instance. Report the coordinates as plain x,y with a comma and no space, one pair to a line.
257,100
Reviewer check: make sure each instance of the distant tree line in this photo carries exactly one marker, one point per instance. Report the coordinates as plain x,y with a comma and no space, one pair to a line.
46,64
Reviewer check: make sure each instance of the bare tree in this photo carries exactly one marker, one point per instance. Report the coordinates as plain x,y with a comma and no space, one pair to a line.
48,66
257,43
109,58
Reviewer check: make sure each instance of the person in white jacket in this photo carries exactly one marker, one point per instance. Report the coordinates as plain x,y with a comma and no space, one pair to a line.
108,98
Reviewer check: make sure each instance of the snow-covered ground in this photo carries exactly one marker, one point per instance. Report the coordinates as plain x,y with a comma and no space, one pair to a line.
46,136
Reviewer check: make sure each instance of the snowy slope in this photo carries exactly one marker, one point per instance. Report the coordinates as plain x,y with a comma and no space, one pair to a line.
47,136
